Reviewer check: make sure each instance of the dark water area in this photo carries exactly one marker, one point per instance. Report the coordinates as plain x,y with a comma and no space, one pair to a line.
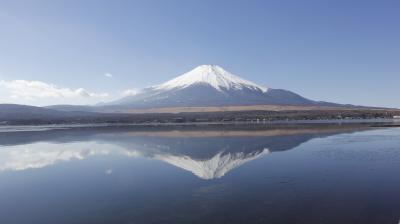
284,174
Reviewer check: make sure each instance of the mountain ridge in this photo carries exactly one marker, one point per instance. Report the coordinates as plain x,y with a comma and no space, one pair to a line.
211,85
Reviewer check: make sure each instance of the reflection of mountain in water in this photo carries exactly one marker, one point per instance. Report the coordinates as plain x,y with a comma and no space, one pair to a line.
214,167
206,155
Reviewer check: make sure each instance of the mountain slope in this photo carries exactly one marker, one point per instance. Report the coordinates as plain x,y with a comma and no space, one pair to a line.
210,85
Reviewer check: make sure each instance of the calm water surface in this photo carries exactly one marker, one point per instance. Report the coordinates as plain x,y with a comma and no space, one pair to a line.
334,174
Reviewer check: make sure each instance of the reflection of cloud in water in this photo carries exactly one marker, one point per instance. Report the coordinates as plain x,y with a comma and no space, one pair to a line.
40,155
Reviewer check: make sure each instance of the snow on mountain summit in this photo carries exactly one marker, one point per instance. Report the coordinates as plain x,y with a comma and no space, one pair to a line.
212,75
209,85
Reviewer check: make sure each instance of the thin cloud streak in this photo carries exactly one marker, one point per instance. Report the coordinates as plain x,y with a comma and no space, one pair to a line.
130,92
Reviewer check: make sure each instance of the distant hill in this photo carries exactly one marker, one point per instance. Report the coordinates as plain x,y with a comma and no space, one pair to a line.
73,108
16,111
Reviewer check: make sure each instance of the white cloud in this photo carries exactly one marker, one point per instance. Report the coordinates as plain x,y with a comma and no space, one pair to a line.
37,92
108,75
130,92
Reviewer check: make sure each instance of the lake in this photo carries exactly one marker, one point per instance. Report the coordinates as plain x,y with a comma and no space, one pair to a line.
201,174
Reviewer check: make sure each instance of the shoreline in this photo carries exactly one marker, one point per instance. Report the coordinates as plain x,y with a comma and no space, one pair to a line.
383,122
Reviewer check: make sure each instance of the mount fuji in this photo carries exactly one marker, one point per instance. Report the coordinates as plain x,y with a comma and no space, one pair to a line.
211,85
206,93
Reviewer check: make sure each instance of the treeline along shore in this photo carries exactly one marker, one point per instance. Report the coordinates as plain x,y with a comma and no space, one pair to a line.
201,117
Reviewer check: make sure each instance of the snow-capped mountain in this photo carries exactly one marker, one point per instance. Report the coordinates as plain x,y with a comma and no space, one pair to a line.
212,75
210,85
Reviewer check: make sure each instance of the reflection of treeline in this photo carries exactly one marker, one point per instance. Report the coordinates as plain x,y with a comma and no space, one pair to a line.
229,116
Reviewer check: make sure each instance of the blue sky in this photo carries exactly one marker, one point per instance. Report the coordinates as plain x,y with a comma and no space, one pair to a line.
339,51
